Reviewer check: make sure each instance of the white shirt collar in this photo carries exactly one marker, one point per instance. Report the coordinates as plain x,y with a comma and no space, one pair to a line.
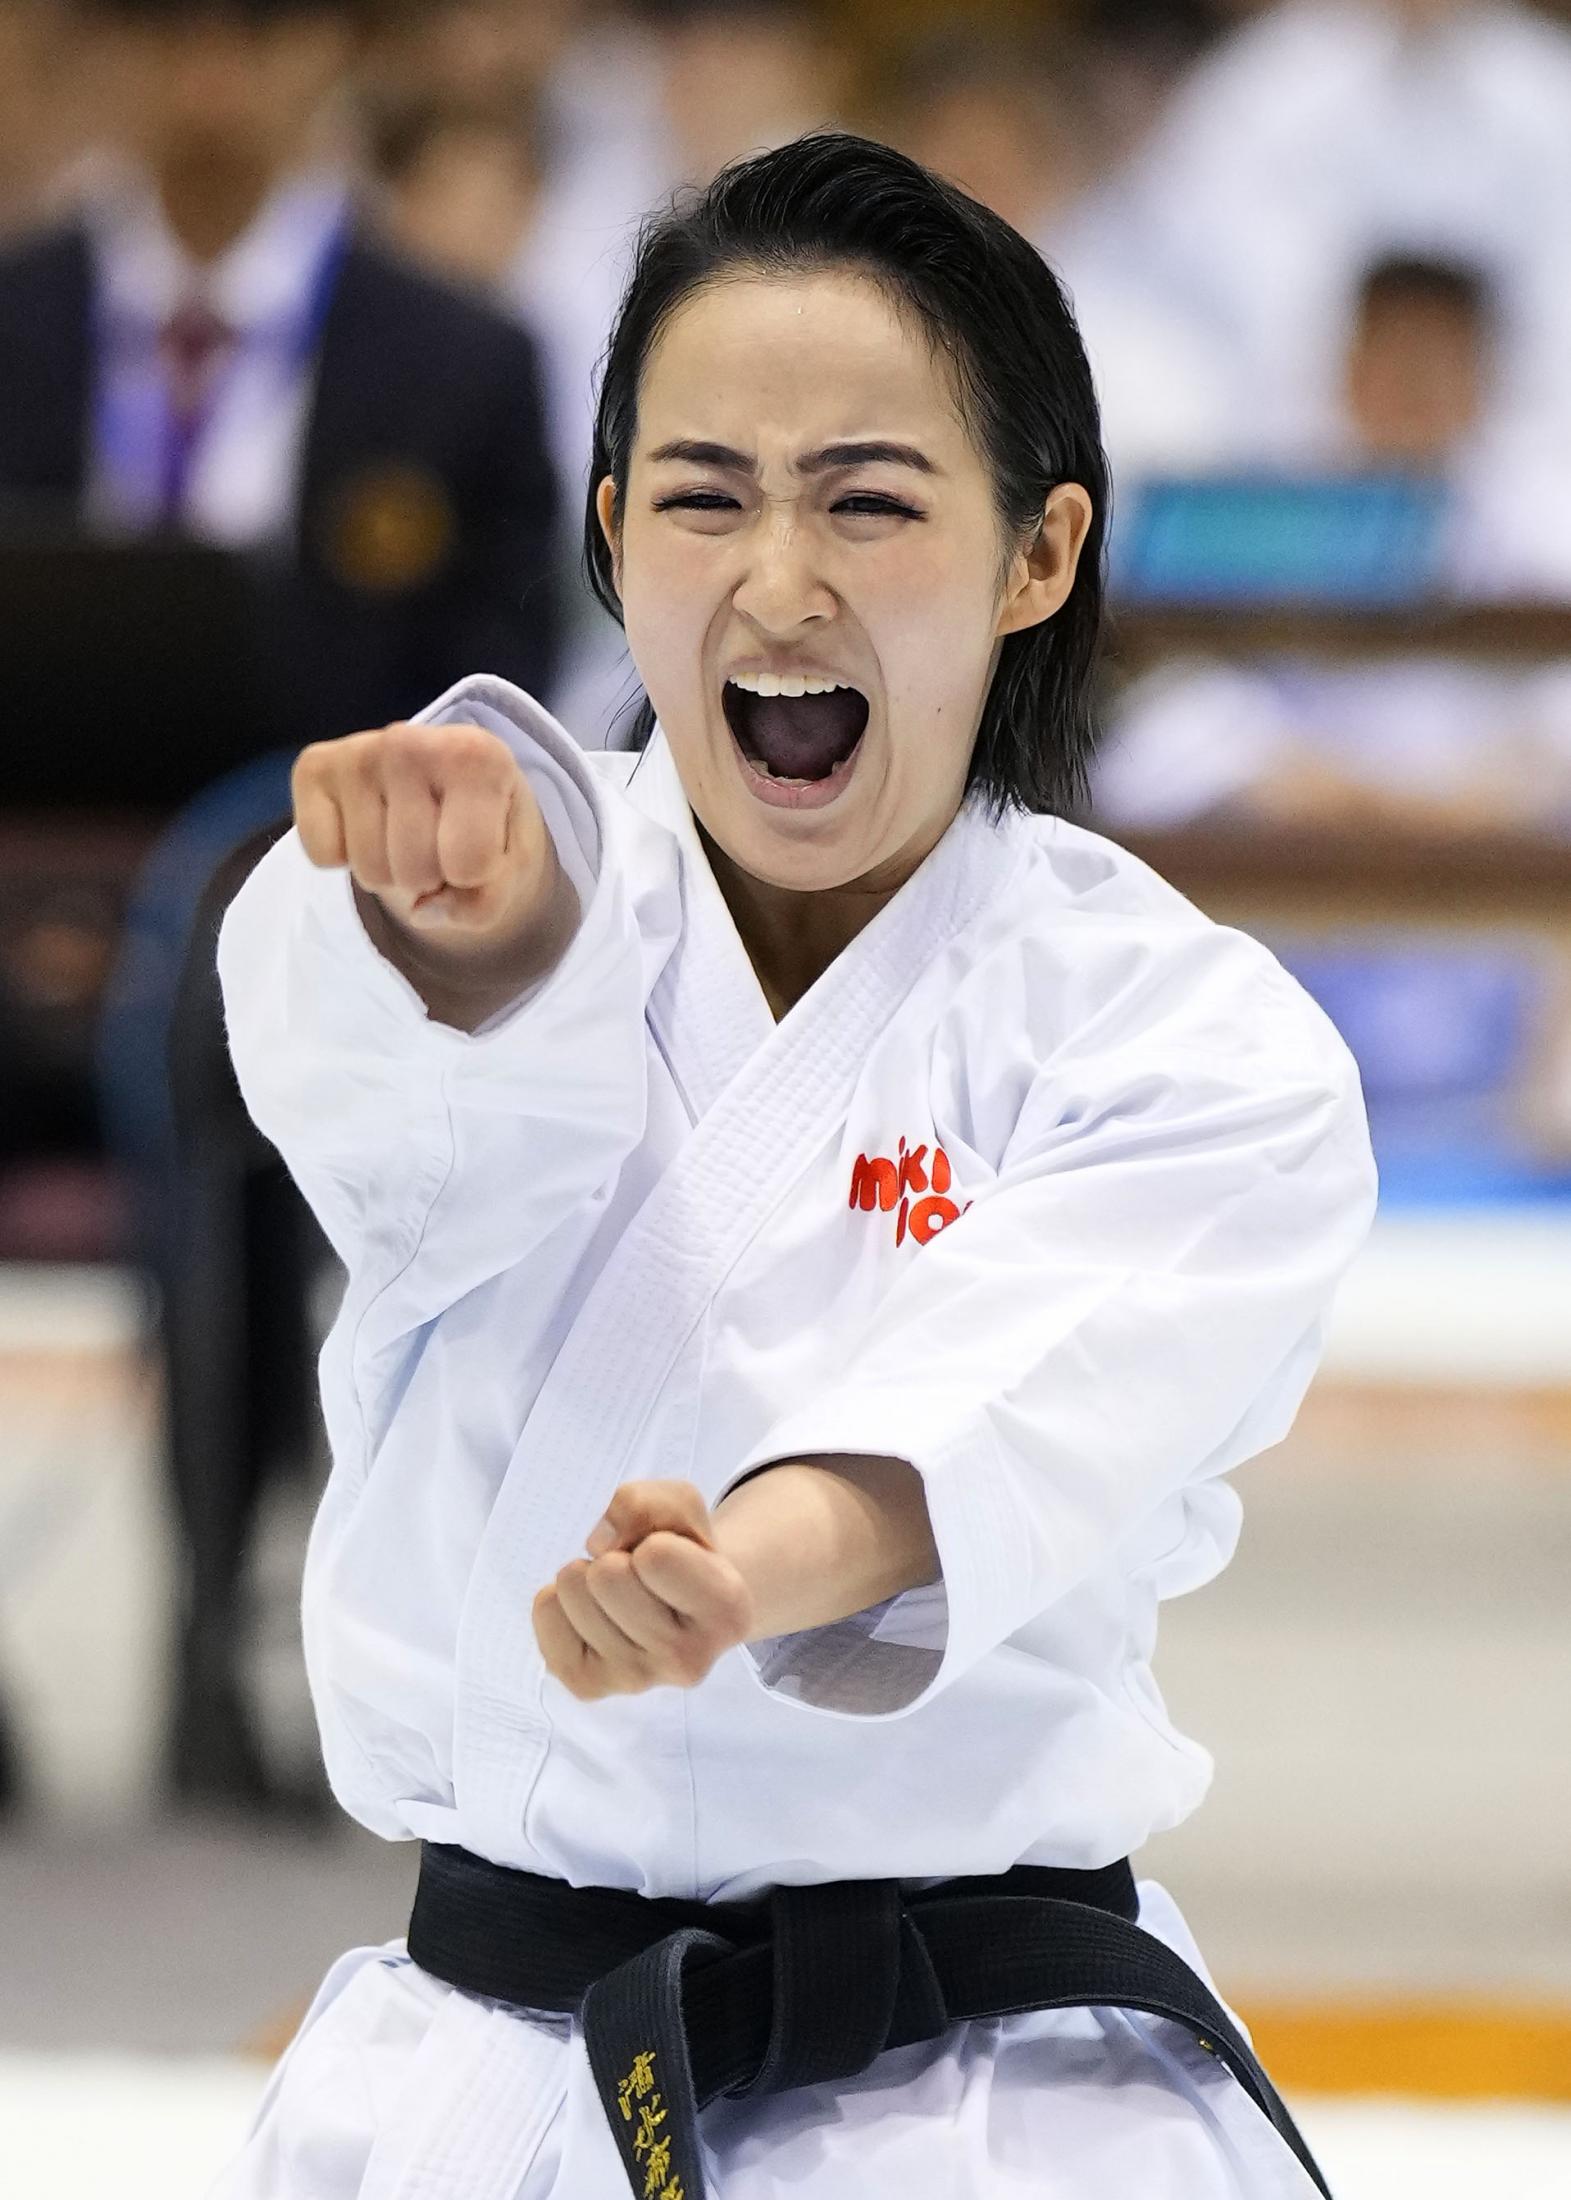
265,277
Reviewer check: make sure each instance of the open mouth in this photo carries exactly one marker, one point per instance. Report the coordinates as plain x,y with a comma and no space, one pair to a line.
795,738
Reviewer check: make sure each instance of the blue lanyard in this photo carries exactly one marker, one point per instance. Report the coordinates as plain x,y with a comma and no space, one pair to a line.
138,428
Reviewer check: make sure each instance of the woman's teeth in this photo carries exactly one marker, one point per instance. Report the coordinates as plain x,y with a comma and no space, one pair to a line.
784,683
820,742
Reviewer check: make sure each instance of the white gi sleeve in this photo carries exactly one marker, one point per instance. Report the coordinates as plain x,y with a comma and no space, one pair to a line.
1135,1305
435,1159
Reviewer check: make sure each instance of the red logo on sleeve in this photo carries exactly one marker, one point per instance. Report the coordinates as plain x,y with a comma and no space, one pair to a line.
918,1189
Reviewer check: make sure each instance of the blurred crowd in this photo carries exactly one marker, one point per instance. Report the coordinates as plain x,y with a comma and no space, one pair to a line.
322,284
1319,236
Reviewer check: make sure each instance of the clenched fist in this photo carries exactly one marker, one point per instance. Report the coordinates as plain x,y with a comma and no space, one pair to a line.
456,876
654,1605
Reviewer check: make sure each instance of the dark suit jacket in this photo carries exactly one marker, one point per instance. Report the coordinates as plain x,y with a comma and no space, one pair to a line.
426,509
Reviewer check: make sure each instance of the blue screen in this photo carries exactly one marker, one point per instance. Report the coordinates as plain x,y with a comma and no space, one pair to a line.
1257,538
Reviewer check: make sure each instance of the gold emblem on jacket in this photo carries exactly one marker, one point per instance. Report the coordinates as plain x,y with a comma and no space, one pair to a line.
388,529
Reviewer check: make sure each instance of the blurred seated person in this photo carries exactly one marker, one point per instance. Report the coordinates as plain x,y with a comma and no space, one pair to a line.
1020,124
216,347
1425,743
1421,393
1318,130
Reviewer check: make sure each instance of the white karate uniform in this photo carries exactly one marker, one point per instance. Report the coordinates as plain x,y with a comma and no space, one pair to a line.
614,1235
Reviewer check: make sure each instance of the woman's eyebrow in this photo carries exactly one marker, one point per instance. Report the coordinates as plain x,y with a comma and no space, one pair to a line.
835,455
686,451
690,453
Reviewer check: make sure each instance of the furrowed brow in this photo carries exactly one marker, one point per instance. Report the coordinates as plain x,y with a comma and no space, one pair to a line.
836,455
686,451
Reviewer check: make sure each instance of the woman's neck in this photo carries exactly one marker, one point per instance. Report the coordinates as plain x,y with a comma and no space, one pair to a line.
792,937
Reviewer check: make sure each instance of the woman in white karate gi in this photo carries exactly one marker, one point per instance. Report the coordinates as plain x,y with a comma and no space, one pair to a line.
819,1229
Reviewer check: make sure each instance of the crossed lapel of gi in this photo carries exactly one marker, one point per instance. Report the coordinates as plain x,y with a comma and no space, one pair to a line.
774,1094
708,1011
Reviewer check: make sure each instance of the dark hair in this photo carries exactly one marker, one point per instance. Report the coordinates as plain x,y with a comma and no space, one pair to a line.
1401,278
995,309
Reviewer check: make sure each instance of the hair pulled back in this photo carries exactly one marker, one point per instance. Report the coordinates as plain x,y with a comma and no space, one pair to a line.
994,309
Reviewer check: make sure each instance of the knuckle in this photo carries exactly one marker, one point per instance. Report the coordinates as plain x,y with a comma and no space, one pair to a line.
629,1509
692,1659
736,1609
469,749
308,766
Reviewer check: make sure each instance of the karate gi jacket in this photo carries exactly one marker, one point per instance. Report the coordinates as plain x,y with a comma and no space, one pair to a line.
1044,1186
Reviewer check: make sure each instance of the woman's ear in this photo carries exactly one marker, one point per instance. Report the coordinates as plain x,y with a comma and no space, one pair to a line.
605,512
1041,575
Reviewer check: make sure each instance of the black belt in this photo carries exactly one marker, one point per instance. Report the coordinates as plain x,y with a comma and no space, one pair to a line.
683,2001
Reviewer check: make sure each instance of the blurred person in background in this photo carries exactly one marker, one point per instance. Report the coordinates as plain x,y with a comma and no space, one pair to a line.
215,348
1136,52
1420,744
517,147
1017,122
743,76
1421,390
51,108
459,186
1324,133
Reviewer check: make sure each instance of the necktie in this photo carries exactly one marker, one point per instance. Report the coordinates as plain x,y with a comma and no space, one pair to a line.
194,344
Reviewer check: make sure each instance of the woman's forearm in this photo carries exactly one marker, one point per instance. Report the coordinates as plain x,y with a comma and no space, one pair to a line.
818,1539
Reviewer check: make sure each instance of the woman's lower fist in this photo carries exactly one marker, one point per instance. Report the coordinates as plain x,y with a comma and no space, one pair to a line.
655,1606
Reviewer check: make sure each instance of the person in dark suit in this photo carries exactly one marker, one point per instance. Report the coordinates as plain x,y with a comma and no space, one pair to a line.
398,469
217,346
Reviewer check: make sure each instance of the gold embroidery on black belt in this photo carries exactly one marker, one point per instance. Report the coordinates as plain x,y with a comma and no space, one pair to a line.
649,2148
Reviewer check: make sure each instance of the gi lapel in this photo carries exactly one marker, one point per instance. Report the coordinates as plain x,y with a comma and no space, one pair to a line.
708,1011
775,1094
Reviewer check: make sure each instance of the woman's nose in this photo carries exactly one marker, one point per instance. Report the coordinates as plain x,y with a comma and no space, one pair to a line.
780,586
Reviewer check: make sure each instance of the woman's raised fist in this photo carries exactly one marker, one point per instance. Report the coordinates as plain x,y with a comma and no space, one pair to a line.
456,874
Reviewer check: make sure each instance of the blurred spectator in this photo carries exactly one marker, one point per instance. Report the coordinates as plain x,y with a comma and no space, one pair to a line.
741,75
216,347
1016,122
1327,132
1414,742
471,54
459,186
449,84
988,112
1136,51
1419,363
1420,393
51,107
